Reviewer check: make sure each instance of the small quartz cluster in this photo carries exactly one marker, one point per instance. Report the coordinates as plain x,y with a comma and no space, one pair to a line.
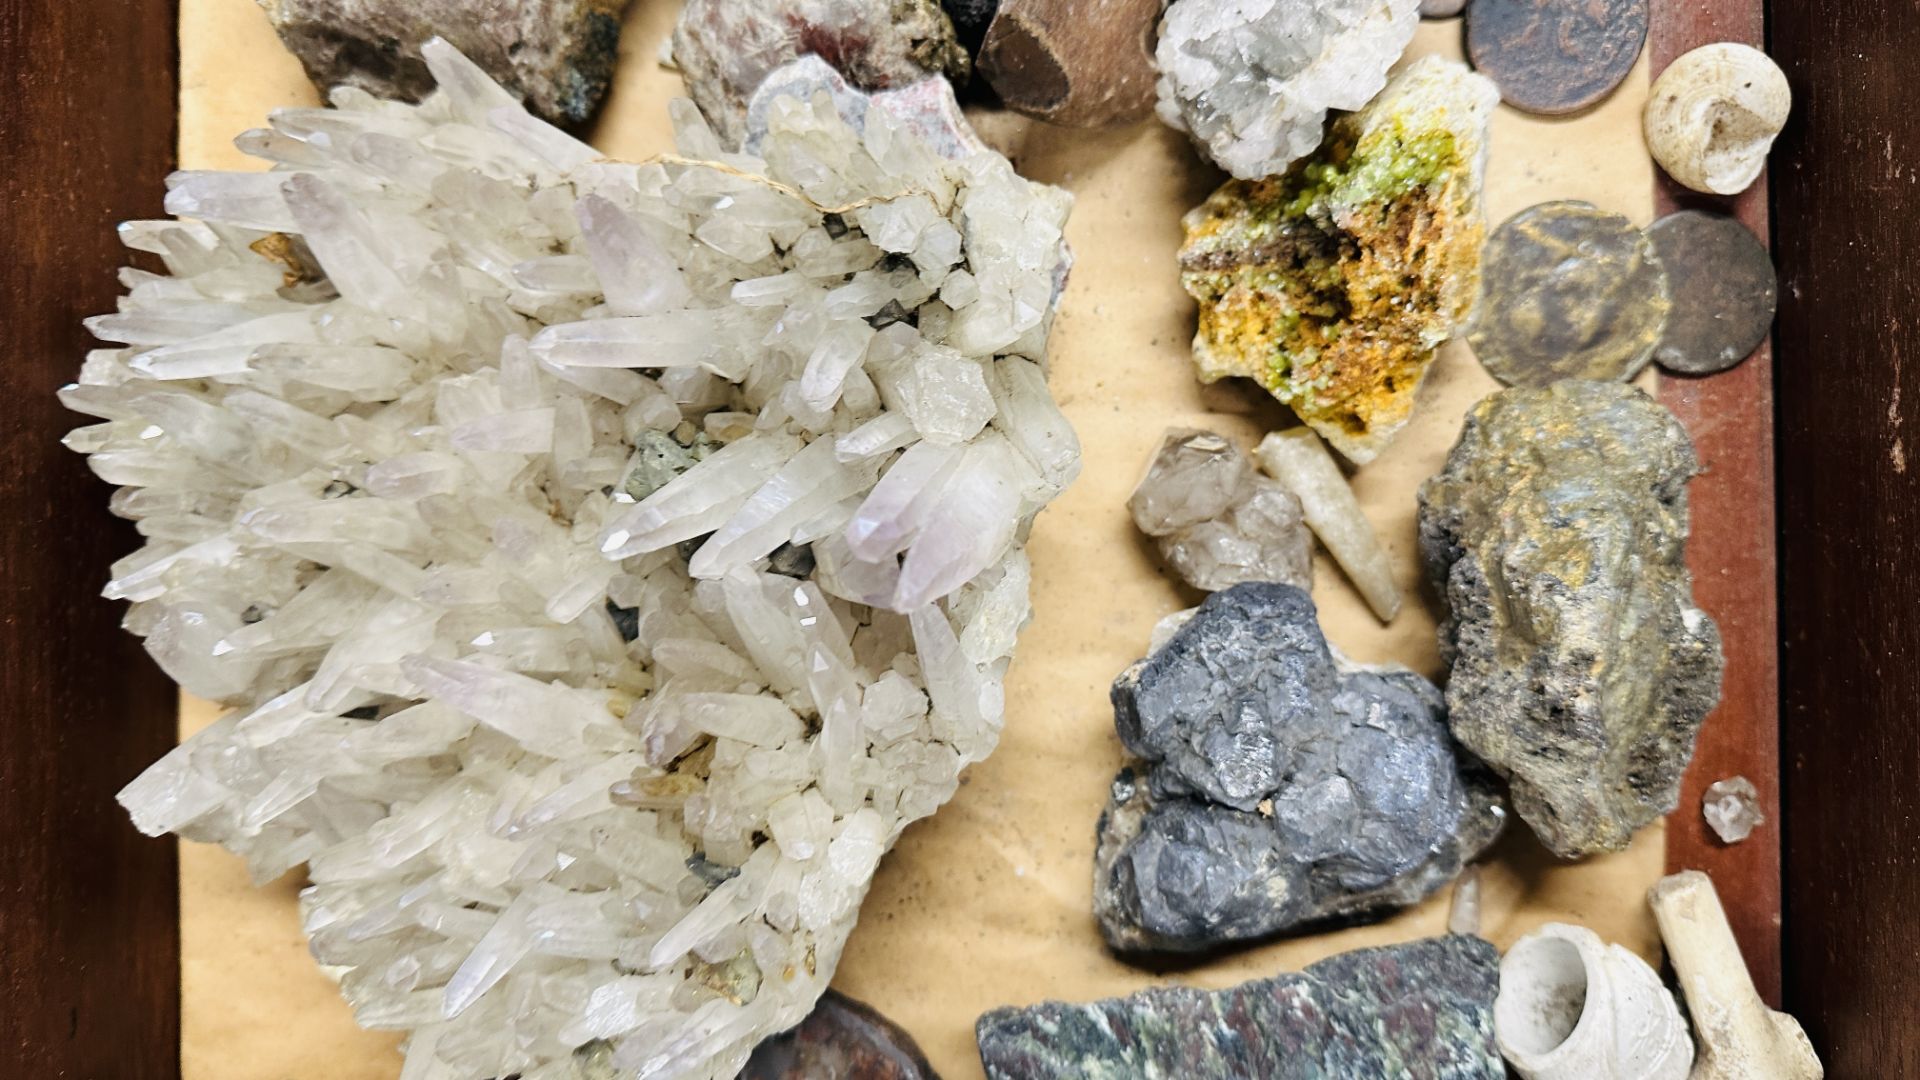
1216,520
1277,786
1253,80
606,561
1333,284
1422,1010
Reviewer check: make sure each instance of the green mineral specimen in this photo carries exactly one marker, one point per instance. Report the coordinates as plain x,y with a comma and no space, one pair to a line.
1334,283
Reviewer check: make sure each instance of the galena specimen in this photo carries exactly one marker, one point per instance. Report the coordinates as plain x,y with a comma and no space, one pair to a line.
1581,668
1253,80
1422,1010
1278,785
1217,521
1333,284
606,560
726,48
557,54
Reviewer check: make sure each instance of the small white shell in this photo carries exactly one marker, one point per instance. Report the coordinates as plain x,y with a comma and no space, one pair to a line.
1712,115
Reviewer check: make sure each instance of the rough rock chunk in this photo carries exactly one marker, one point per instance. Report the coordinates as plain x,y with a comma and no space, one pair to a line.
1279,786
1252,80
1083,63
1581,668
1418,1011
557,54
1333,284
1217,521
726,47
841,1039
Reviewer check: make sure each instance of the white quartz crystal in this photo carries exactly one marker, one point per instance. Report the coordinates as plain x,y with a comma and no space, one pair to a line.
1252,80
461,452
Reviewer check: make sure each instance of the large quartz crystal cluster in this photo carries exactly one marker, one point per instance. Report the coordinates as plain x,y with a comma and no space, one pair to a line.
606,560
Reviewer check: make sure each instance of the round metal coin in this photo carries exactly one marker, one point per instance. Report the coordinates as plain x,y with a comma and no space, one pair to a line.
1555,56
1723,289
1568,291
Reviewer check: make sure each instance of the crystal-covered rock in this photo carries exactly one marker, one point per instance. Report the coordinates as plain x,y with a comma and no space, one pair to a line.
1252,80
599,587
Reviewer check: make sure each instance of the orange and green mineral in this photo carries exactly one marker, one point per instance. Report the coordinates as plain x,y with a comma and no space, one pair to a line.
1334,283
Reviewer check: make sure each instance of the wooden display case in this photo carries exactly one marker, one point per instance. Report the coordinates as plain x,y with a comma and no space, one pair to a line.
1801,550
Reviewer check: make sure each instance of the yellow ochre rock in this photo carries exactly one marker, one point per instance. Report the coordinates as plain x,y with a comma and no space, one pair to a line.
1333,284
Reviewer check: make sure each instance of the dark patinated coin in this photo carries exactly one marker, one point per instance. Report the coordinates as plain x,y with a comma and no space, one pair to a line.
1723,289
841,1039
1568,291
1555,56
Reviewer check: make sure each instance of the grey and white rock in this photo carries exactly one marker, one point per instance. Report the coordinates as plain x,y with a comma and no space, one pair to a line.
1252,80
1581,667
724,48
1422,1010
557,54
1217,521
1278,787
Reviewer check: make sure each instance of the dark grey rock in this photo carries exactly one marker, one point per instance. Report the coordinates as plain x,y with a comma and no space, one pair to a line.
557,54
1418,1011
1276,789
1581,667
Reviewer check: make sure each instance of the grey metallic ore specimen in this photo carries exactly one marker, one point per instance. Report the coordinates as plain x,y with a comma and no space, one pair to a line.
1581,668
1278,788
557,54
1418,1011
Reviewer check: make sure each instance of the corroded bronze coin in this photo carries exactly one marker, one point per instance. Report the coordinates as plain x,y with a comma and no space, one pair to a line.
1555,56
1723,289
1568,291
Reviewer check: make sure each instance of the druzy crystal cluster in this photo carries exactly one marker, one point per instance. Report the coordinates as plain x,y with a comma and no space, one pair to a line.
605,561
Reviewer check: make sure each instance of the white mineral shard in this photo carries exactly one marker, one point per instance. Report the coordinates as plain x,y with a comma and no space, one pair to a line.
1252,80
1732,809
1301,462
605,561
1216,521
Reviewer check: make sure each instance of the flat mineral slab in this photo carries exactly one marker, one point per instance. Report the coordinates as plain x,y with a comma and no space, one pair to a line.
1418,1011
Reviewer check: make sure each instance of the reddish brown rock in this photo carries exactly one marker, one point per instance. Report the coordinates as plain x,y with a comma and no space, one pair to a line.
1083,63
840,1040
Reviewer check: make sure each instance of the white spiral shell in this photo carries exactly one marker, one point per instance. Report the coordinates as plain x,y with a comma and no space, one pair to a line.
1712,115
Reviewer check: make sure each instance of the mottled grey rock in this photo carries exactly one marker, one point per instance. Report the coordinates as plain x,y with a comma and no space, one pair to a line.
1581,668
1216,520
1278,787
557,54
1418,1011
725,48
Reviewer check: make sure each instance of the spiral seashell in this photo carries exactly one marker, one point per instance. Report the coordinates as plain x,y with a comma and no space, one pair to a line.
1712,115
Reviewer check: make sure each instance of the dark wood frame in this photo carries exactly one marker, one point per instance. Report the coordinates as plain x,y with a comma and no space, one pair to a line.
89,950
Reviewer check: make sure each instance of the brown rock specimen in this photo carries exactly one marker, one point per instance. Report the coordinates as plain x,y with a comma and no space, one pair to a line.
841,1039
557,54
726,47
1082,63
